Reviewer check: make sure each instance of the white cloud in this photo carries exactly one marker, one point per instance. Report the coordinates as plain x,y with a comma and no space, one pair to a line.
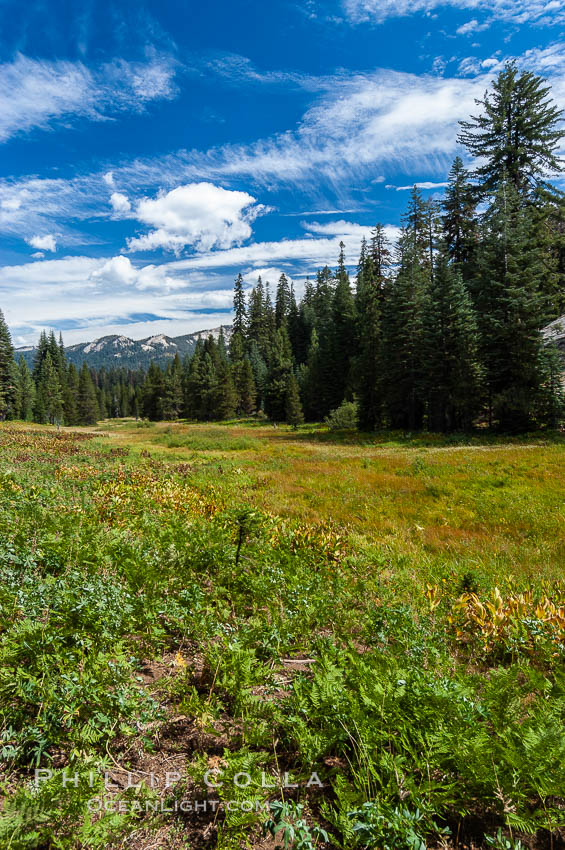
470,27
359,129
108,178
37,92
543,12
270,274
426,184
116,271
120,203
43,243
199,214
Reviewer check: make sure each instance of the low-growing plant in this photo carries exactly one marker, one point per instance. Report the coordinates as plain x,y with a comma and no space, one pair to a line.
287,823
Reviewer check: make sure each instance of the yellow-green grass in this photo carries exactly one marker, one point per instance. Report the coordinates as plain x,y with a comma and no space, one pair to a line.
494,505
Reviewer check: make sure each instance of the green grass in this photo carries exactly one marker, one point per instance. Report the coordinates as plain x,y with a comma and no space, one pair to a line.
245,600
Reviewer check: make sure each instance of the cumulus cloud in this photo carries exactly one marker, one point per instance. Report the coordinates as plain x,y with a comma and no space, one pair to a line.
116,271
43,243
35,93
120,203
108,178
201,215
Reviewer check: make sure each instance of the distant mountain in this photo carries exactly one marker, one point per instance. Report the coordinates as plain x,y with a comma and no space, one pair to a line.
116,350
556,333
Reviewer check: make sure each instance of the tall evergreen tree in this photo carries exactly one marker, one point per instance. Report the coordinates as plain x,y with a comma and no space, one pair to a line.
25,392
278,376
248,393
49,393
403,321
512,311
517,135
372,277
172,402
239,325
450,351
8,380
343,334
460,224
282,301
293,406
87,404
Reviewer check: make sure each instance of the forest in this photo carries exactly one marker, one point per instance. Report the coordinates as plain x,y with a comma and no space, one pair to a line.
442,331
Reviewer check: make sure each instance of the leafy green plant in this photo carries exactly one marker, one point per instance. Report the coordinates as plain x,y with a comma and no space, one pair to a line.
343,418
287,822
398,828
502,842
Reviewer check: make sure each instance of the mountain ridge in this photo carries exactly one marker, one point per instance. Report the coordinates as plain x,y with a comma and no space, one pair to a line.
116,350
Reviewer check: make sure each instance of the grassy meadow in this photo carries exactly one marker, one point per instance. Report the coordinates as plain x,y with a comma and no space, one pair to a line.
366,632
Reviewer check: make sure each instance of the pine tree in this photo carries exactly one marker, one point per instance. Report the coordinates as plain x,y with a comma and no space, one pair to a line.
226,396
343,334
25,392
373,273
293,406
172,400
49,394
278,376
7,372
248,394
70,396
39,356
282,301
460,221
87,404
153,393
512,311
450,358
240,313
402,322
517,135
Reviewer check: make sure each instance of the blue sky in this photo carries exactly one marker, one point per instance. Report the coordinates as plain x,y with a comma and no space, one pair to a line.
150,151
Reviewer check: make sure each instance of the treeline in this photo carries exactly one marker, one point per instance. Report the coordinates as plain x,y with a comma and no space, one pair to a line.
54,392
442,330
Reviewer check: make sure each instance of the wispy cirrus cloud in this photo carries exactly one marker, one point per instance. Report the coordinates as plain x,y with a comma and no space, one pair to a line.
37,93
541,12
362,127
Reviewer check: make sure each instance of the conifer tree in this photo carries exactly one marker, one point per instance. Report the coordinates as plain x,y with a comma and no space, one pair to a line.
343,334
248,393
403,322
460,221
49,394
25,392
70,396
282,301
278,376
172,402
7,372
512,312
87,404
239,325
153,393
517,135
39,356
372,276
293,406
226,396
450,351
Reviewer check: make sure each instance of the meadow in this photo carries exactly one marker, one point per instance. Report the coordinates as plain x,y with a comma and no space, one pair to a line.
231,635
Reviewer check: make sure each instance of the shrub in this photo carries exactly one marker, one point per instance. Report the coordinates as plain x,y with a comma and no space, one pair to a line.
344,417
